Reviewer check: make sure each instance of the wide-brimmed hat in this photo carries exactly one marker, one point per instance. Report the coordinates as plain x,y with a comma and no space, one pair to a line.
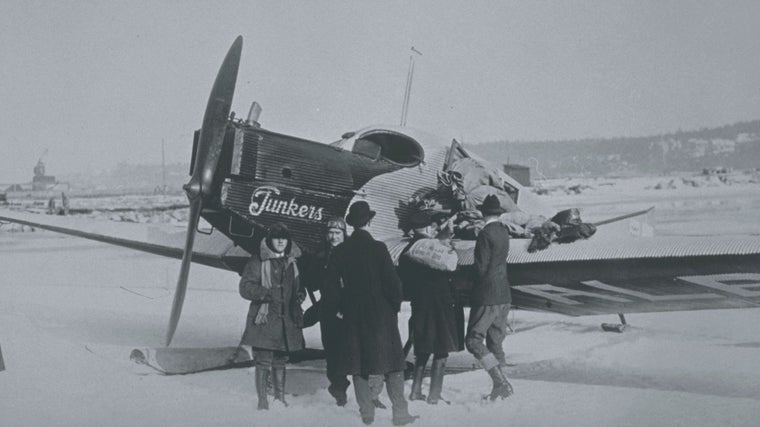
491,206
359,214
420,219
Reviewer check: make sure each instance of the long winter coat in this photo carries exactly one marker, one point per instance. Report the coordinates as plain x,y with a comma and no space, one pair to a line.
491,286
436,318
282,330
362,285
314,275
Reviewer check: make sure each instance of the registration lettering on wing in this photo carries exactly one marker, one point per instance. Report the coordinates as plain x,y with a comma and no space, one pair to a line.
744,286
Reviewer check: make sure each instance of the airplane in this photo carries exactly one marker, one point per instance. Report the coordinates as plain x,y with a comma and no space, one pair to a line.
245,178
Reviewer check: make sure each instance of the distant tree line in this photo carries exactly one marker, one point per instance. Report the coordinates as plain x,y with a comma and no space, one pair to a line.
732,146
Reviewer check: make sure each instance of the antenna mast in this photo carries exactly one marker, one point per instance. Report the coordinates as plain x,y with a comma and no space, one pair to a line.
407,92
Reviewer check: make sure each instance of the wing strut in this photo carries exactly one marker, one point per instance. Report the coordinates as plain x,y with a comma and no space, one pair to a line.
622,217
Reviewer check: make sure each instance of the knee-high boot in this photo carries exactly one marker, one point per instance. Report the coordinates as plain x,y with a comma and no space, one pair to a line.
262,374
436,380
394,384
278,379
419,373
501,386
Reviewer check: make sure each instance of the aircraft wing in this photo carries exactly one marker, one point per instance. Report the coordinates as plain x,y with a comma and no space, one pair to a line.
215,249
587,277
627,275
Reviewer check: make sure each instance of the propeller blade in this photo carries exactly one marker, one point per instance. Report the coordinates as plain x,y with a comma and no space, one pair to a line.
215,123
209,148
622,217
184,270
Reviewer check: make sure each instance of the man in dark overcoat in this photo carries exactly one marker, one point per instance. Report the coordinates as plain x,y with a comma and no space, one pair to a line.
490,298
436,317
362,289
314,272
314,269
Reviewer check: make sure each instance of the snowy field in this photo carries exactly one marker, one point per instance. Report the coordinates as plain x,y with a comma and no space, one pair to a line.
72,310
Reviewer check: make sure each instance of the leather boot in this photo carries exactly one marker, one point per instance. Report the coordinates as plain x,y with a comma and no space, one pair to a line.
278,379
418,375
394,384
436,380
501,387
404,420
262,374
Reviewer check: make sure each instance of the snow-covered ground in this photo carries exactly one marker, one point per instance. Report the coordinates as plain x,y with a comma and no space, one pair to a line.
71,311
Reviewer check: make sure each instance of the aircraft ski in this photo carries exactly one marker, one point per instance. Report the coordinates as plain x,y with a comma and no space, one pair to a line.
181,361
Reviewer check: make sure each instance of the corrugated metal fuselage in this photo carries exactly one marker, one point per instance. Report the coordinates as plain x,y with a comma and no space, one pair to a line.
265,177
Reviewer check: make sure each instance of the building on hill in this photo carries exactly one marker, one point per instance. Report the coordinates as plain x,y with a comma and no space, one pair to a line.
42,182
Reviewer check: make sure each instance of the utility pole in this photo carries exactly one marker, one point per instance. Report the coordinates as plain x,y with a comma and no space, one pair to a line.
407,92
163,168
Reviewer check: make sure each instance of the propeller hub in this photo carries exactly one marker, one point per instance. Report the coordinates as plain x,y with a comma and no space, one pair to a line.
192,189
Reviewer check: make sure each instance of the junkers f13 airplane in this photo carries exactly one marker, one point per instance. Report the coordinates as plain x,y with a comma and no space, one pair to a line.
245,178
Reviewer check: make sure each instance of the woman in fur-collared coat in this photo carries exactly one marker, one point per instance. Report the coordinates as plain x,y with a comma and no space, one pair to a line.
273,326
436,316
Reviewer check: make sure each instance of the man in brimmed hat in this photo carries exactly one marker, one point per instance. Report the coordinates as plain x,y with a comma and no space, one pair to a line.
360,215
436,318
368,301
314,268
490,298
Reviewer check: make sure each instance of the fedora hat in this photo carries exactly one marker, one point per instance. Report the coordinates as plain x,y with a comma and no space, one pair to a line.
359,214
491,206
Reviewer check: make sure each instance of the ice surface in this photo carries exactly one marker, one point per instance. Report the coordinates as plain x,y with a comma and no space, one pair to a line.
72,310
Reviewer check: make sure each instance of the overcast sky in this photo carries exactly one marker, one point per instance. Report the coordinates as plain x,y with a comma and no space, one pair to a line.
102,82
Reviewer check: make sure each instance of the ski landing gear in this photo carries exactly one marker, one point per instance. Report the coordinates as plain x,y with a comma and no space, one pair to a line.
616,327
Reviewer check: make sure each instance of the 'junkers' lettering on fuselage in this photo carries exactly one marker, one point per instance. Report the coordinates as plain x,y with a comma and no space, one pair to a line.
264,199
743,285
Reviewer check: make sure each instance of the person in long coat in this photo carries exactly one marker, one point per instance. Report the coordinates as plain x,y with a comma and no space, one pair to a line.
270,280
363,289
314,269
436,317
490,298
314,272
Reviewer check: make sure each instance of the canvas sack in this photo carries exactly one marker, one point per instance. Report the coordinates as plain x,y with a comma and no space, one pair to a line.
434,253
